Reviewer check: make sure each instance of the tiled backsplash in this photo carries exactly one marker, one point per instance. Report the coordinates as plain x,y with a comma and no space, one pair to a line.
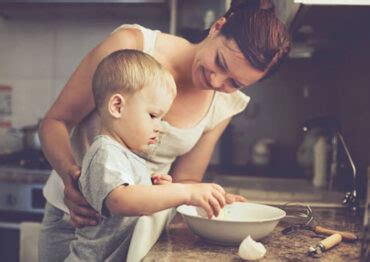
39,55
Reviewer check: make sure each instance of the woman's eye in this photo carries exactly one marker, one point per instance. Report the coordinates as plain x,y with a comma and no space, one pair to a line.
219,63
152,115
235,84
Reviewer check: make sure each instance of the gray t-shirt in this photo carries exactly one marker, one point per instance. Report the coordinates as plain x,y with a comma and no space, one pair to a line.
172,141
106,166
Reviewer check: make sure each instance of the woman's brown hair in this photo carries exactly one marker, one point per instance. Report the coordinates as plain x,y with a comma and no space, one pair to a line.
260,35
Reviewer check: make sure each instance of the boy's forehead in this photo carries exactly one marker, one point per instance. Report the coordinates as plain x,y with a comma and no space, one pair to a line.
155,94
161,96
161,90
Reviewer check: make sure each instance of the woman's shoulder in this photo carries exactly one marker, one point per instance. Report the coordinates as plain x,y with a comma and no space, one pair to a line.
226,106
166,39
151,41
129,37
237,98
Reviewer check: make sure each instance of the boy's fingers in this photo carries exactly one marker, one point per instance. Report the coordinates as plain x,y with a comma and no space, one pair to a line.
166,177
231,198
215,206
208,209
220,198
159,179
155,174
239,198
219,188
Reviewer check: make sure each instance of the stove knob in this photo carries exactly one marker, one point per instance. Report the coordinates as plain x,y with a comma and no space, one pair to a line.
10,200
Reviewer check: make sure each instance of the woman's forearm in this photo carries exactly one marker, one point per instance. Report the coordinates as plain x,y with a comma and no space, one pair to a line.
56,145
135,200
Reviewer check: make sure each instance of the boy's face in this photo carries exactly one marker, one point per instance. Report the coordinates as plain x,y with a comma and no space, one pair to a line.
141,116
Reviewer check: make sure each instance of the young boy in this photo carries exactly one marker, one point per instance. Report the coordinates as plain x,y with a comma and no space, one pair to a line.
132,93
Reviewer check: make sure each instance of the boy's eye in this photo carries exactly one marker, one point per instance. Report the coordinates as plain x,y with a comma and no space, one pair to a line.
152,116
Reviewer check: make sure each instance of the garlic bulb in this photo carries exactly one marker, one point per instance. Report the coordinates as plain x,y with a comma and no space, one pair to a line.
251,250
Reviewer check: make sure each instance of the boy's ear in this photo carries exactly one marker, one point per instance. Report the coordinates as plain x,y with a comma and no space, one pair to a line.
115,105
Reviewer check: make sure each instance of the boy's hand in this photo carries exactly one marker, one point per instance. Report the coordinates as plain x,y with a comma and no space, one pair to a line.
161,179
231,198
210,197
82,214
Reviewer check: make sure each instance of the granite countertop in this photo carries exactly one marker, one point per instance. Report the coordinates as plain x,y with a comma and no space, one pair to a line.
278,191
178,243
23,175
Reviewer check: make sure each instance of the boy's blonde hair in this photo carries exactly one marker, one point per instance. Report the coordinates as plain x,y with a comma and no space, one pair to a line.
126,72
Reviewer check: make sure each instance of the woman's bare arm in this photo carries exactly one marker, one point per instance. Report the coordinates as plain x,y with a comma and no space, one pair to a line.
72,105
190,168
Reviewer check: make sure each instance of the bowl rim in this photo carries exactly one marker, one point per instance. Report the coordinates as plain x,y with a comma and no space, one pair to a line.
283,214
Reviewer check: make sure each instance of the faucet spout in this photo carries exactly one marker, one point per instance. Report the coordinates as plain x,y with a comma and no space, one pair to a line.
351,198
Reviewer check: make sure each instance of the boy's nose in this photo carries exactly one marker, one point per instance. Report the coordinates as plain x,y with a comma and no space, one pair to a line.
217,79
157,126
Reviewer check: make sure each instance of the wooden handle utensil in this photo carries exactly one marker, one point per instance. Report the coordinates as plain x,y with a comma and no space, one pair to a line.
326,231
331,241
325,245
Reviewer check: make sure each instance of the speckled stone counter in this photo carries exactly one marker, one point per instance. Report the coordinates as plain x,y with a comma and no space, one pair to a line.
24,176
178,243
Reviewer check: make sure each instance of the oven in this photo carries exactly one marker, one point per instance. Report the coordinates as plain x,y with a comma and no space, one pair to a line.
22,177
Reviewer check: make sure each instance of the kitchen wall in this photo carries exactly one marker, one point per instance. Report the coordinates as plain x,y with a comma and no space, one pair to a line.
41,45
39,49
334,81
353,94
279,105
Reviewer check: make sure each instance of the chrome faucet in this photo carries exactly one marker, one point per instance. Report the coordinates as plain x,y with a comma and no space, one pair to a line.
351,198
330,128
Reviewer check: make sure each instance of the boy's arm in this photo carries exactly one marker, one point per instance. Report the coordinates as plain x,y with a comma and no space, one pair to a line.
136,200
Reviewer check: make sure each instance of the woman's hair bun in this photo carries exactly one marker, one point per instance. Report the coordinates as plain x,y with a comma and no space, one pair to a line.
251,4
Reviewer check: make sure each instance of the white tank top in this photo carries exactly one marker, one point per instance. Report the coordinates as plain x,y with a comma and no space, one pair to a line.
172,142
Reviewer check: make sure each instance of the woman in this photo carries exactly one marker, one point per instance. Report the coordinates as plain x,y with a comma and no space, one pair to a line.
239,50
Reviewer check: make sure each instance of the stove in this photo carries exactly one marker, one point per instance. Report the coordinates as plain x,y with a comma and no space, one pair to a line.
30,159
22,177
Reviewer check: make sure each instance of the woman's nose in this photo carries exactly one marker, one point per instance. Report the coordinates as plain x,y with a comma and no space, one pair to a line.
217,79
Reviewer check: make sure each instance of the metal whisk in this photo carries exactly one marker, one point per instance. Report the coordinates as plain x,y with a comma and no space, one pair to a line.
298,215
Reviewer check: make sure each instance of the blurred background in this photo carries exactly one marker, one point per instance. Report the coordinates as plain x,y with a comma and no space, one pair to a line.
289,130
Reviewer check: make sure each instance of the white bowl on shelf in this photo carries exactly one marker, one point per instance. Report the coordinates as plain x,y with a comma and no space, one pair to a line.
235,222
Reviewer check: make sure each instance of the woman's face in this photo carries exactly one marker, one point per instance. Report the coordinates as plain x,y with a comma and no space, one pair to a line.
220,65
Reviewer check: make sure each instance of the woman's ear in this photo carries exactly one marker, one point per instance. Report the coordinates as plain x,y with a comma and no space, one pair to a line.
216,27
115,105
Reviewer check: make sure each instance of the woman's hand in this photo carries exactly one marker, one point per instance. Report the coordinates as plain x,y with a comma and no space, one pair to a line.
210,197
161,179
231,198
82,214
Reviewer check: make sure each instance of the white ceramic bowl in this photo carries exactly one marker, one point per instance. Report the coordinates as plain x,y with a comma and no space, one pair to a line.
235,222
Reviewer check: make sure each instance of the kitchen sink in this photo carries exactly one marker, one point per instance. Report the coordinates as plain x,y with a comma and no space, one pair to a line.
278,191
